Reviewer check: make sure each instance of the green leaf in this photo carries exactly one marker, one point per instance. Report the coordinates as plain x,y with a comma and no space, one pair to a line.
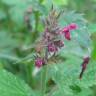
94,53
9,42
13,86
8,57
60,2
66,74
17,2
75,49
83,92
92,28
81,35
12,2
2,15
94,46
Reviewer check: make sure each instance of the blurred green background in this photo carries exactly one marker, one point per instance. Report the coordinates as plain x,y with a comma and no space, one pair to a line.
21,23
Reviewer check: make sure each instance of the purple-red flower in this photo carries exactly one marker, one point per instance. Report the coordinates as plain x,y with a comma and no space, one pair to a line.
52,47
84,65
66,30
68,35
86,60
39,62
72,26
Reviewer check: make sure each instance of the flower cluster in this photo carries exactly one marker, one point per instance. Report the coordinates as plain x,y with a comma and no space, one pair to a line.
54,45
52,41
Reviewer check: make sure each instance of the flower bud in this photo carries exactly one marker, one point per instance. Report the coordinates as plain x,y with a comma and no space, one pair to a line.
52,48
84,65
86,60
67,36
66,33
39,62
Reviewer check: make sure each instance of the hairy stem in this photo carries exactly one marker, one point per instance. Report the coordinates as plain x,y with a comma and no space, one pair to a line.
44,75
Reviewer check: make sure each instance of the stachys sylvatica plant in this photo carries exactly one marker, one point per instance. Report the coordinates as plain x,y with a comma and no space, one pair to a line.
53,40
61,65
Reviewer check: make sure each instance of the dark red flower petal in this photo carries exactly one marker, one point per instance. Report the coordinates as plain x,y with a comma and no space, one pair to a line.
84,65
65,29
39,62
67,36
52,48
72,26
86,60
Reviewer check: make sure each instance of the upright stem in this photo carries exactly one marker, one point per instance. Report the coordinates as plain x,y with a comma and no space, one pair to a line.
44,75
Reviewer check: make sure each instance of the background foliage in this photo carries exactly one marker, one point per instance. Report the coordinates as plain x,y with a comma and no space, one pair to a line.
16,49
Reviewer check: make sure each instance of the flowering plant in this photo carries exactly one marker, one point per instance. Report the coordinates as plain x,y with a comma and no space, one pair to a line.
53,58
53,39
